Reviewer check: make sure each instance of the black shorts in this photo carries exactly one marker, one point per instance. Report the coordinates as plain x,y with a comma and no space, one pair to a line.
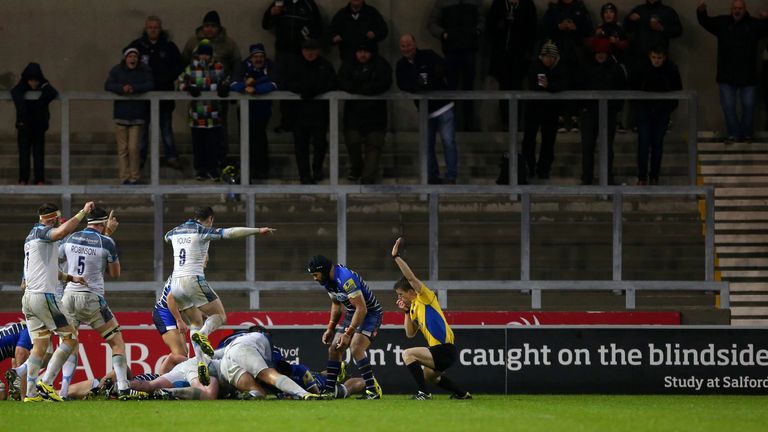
443,355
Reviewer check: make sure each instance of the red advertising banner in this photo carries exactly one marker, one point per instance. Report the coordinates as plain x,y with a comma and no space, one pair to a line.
146,350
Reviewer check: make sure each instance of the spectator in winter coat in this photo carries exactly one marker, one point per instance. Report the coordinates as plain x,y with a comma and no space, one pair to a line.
657,74
423,70
125,79
613,31
458,24
365,121
650,25
310,76
738,36
355,24
510,30
258,78
205,74
157,51
602,74
545,75
32,117
293,22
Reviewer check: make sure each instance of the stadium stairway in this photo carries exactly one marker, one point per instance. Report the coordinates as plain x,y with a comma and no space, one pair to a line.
739,173
479,235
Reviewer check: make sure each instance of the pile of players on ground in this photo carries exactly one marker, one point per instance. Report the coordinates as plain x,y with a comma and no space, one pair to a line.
277,376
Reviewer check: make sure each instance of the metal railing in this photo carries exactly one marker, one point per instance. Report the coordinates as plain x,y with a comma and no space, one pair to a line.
341,192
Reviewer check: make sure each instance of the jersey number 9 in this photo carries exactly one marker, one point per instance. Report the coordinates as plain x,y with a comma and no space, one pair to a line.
182,256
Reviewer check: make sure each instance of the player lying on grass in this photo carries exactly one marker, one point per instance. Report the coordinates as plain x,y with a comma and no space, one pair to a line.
182,382
422,311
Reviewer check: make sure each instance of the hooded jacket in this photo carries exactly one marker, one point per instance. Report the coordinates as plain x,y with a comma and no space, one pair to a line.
162,57
264,81
33,113
207,77
225,51
130,111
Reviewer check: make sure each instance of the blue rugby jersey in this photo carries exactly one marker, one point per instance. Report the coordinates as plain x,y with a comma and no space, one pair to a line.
348,284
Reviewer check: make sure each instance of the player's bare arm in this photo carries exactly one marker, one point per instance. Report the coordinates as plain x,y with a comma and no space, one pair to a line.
69,226
404,268
335,316
242,232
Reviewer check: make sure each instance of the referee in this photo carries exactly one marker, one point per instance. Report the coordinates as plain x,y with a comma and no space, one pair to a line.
422,312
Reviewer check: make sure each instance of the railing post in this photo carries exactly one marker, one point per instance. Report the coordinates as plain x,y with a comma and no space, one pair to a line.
525,247
423,137
693,137
513,144
618,235
64,140
333,103
630,298
434,246
154,139
341,228
603,130
709,239
250,243
245,138
159,207
725,296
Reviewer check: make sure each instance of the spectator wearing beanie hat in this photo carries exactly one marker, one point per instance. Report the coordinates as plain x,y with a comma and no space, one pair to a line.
602,74
129,77
545,75
258,77
611,29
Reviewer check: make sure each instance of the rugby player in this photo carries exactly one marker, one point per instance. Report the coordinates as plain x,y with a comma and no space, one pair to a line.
422,312
193,296
15,344
39,303
172,328
361,322
90,253
183,383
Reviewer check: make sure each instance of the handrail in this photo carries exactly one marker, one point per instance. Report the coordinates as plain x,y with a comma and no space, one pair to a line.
158,191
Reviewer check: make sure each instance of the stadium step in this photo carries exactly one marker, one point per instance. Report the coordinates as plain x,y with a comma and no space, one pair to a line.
741,223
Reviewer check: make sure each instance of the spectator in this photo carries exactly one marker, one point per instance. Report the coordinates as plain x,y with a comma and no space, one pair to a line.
510,29
458,24
657,74
568,25
545,75
204,74
603,74
423,71
128,78
293,22
355,24
365,121
226,53
257,78
650,25
32,117
738,36
612,30
164,59
310,76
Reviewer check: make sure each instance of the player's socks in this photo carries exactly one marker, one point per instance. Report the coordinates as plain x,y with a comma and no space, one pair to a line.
121,371
33,370
195,346
186,393
66,374
418,375
212,323
331,373
21,370
57,362
287,385
451,386
366,370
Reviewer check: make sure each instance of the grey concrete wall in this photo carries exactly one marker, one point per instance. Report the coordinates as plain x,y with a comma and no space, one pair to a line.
77,41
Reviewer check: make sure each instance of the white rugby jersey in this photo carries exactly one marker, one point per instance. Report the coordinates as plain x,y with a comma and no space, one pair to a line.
190,242
41,261
88,253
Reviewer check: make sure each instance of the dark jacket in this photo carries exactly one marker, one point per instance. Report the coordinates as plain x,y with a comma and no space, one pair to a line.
33,113
556,81
619,48
425,73
603,76
371,78
665,78
569,42
511,34
353,30
642,38
263,82
461,20
297,19
141,80
163,58
737,43
309,79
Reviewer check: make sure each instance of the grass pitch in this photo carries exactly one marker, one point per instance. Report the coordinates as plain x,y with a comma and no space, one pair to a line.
398,413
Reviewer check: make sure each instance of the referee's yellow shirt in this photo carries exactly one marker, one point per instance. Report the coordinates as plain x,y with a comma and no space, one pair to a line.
427,314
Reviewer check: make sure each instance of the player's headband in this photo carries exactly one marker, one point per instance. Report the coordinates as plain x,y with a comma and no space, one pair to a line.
48,216
97,220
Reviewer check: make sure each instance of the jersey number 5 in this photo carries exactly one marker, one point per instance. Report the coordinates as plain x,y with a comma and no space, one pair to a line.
80,264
